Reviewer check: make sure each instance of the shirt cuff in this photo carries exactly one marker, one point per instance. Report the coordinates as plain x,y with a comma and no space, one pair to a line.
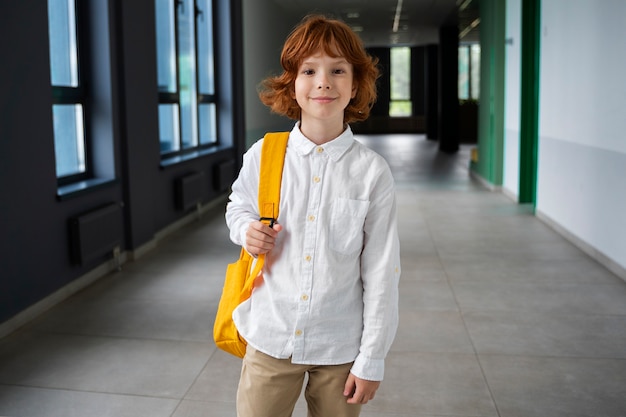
368,369
242,235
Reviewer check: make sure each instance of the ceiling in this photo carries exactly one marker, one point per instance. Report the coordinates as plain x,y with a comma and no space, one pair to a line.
395,22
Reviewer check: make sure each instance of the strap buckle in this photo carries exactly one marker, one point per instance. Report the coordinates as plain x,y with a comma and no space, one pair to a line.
271,221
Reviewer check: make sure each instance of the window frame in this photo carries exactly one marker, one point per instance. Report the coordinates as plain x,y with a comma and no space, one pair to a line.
473,88
407,101
78,95
174,97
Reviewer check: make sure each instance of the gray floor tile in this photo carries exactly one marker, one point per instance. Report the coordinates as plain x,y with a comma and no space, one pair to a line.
154,368
171,319
536,271
431,383
417,270
557,298
426,296
218,380
557,387
41,402
538,334
190,408
427,331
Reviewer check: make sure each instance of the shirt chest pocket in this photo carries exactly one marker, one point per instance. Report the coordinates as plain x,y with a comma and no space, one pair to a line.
346,225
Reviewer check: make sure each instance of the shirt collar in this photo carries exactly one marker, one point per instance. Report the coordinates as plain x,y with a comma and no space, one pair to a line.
334,149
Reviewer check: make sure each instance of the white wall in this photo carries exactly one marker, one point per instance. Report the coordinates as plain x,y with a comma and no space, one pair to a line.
512,86
582,124
266,26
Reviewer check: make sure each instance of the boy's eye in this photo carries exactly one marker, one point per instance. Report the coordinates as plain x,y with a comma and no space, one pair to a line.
308,72
339,71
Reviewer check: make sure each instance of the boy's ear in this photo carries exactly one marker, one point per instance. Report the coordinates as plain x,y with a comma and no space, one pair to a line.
354,89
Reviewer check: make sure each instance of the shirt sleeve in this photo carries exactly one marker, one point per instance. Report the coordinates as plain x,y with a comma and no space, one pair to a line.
242,208
380,273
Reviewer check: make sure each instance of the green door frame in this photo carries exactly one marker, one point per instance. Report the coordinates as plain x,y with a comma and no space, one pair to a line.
490,162
529,117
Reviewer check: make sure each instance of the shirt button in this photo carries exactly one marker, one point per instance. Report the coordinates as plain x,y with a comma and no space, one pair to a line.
298,332
320,150
307,258
316,179
304,297
311,218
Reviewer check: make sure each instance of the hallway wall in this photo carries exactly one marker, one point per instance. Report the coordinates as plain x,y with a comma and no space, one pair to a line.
512,110
265,28
582,146
35,260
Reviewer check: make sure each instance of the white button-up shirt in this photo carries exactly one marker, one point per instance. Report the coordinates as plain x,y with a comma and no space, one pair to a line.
329,293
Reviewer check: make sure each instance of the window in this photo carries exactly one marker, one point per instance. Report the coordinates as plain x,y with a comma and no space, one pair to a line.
69,98
185,71
469,72
400,105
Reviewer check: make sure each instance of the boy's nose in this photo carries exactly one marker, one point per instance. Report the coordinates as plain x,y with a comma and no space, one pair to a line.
323,83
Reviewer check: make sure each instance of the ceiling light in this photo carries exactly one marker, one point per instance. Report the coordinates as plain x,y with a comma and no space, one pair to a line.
464,4
469,28
396,19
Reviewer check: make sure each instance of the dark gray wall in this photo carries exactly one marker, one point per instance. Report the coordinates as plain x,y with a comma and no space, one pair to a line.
34,242
266,25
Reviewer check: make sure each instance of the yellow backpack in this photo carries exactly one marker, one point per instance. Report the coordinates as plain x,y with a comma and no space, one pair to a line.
240,275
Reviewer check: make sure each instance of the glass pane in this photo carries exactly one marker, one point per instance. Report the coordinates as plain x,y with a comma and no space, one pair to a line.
400,73
475,56
169,128
208,131
187,76
63,49
166,48
69,139
400,109
205,47
464,72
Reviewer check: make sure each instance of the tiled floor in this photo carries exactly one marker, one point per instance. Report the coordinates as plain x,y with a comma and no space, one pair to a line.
500,316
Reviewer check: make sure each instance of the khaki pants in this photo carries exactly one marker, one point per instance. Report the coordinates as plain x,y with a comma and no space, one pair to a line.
270,387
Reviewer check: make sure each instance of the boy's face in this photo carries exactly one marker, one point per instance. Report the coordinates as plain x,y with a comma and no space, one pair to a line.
323,88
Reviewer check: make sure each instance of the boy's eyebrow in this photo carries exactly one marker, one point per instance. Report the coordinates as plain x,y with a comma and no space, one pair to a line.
338,60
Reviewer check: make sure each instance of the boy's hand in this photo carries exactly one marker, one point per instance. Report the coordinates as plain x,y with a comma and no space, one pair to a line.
260,237
359,391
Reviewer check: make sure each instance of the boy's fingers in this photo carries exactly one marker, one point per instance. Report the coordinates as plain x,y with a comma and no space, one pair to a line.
349,387
260,237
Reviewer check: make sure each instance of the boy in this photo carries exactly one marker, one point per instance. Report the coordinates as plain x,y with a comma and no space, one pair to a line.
327,303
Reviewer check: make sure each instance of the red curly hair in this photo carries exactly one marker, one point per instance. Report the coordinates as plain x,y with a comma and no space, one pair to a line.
314,34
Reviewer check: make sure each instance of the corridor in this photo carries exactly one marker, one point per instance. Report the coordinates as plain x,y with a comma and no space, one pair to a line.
499,317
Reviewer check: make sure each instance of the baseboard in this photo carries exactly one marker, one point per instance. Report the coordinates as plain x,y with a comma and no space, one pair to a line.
510,195
594,253
484,182
102,270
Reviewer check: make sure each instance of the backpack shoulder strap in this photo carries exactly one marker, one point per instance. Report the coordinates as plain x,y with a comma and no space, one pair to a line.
270,177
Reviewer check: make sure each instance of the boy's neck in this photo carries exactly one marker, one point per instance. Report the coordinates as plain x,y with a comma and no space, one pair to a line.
321,133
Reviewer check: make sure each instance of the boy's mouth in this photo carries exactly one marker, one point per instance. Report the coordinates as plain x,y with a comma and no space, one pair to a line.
323,99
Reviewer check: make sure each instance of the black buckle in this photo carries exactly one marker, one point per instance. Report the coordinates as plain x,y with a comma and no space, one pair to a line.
269,219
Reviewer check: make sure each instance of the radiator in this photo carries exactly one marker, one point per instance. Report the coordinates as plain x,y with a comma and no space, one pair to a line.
189,190
96,233
224,175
